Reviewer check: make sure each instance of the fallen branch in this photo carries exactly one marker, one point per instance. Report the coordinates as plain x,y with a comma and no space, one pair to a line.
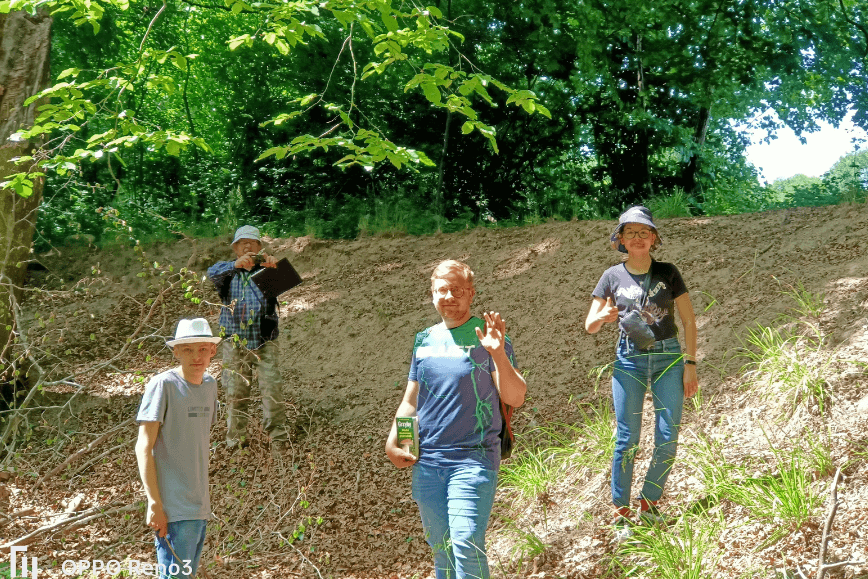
79,520
96,459
822,566
72,458
305,559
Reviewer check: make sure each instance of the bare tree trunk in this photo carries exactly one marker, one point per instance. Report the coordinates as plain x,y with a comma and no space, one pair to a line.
439,202
25,47
690,170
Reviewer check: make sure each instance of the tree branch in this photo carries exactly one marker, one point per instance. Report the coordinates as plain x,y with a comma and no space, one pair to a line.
82,452
81,519
822,566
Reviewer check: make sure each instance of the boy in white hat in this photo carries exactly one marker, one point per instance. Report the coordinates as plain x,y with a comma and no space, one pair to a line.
175,417
250,328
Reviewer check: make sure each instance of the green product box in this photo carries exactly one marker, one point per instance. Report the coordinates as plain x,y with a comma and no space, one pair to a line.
408,434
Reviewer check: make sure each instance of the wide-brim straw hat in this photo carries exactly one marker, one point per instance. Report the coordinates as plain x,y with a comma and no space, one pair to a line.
191,331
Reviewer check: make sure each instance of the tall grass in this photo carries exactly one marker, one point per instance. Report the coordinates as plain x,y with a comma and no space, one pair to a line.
788,360
537,465
785,500
546,453
675,205
687,549
595,436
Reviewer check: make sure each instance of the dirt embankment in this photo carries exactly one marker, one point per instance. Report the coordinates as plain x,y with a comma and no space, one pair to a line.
346,339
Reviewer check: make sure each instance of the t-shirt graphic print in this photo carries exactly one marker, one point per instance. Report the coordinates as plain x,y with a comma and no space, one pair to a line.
458,405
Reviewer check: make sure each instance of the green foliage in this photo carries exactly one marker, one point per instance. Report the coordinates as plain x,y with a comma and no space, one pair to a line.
786,360
807,304
531,472
687,549
296,114
675,205
711,467
527,547
594,435
786,500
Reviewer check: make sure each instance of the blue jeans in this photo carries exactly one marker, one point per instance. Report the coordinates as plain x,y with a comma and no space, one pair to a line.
186,538
455,504
661,368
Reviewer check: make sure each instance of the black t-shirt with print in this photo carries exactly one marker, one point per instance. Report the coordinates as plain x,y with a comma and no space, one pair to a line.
625,289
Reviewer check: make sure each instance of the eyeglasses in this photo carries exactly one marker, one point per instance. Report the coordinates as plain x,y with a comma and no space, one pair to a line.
641,234
457,292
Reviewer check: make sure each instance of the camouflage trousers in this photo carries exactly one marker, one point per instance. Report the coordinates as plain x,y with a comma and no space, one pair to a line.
238,366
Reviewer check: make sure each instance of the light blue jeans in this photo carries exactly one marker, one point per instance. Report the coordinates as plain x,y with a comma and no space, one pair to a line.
186,538
455,504
660,368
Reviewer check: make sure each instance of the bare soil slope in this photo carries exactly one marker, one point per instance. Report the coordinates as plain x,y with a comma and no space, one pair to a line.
346,339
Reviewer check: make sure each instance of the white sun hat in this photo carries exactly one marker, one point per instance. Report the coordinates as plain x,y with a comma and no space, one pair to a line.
247,232
192,331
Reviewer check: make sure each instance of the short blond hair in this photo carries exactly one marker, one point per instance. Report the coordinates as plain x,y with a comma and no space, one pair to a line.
448,266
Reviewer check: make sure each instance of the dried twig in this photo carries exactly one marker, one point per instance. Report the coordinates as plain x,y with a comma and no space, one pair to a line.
80,520
96,459
305,559
822,566
83,451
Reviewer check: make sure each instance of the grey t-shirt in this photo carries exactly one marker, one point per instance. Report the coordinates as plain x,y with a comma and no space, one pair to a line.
186,412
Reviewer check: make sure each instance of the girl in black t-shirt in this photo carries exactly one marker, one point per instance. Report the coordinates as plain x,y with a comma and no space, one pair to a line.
661,366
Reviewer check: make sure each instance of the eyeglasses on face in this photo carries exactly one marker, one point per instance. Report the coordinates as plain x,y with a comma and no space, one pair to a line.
457,292
641,234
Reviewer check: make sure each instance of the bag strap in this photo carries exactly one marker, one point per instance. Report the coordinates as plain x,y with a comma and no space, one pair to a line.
646,283
506,414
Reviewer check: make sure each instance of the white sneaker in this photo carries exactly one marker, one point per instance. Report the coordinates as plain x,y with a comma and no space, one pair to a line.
652,517
622,530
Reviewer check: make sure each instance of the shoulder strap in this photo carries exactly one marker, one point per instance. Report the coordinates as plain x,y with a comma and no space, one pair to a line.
224,289
646,283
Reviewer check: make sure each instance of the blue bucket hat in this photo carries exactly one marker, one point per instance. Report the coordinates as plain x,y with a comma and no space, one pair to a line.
246,232
636,214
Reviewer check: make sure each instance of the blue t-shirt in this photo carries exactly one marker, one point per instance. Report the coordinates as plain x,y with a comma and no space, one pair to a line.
458,406
186,412
625,289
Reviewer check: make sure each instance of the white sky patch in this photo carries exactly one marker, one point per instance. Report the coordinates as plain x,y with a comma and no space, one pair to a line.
786,156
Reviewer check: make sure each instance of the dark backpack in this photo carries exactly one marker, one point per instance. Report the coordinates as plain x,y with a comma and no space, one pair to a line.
507,438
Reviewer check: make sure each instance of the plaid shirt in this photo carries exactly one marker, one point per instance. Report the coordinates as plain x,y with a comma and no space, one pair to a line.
244,320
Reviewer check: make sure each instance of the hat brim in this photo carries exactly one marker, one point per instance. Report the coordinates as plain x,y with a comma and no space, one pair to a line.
259,239
616,243
194,340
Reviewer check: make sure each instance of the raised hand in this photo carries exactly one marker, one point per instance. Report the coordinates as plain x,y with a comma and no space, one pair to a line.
245,261
609,312
269,260
495,333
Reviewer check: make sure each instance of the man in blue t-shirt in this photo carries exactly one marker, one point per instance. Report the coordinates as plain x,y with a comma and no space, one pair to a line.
460,371
175,417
